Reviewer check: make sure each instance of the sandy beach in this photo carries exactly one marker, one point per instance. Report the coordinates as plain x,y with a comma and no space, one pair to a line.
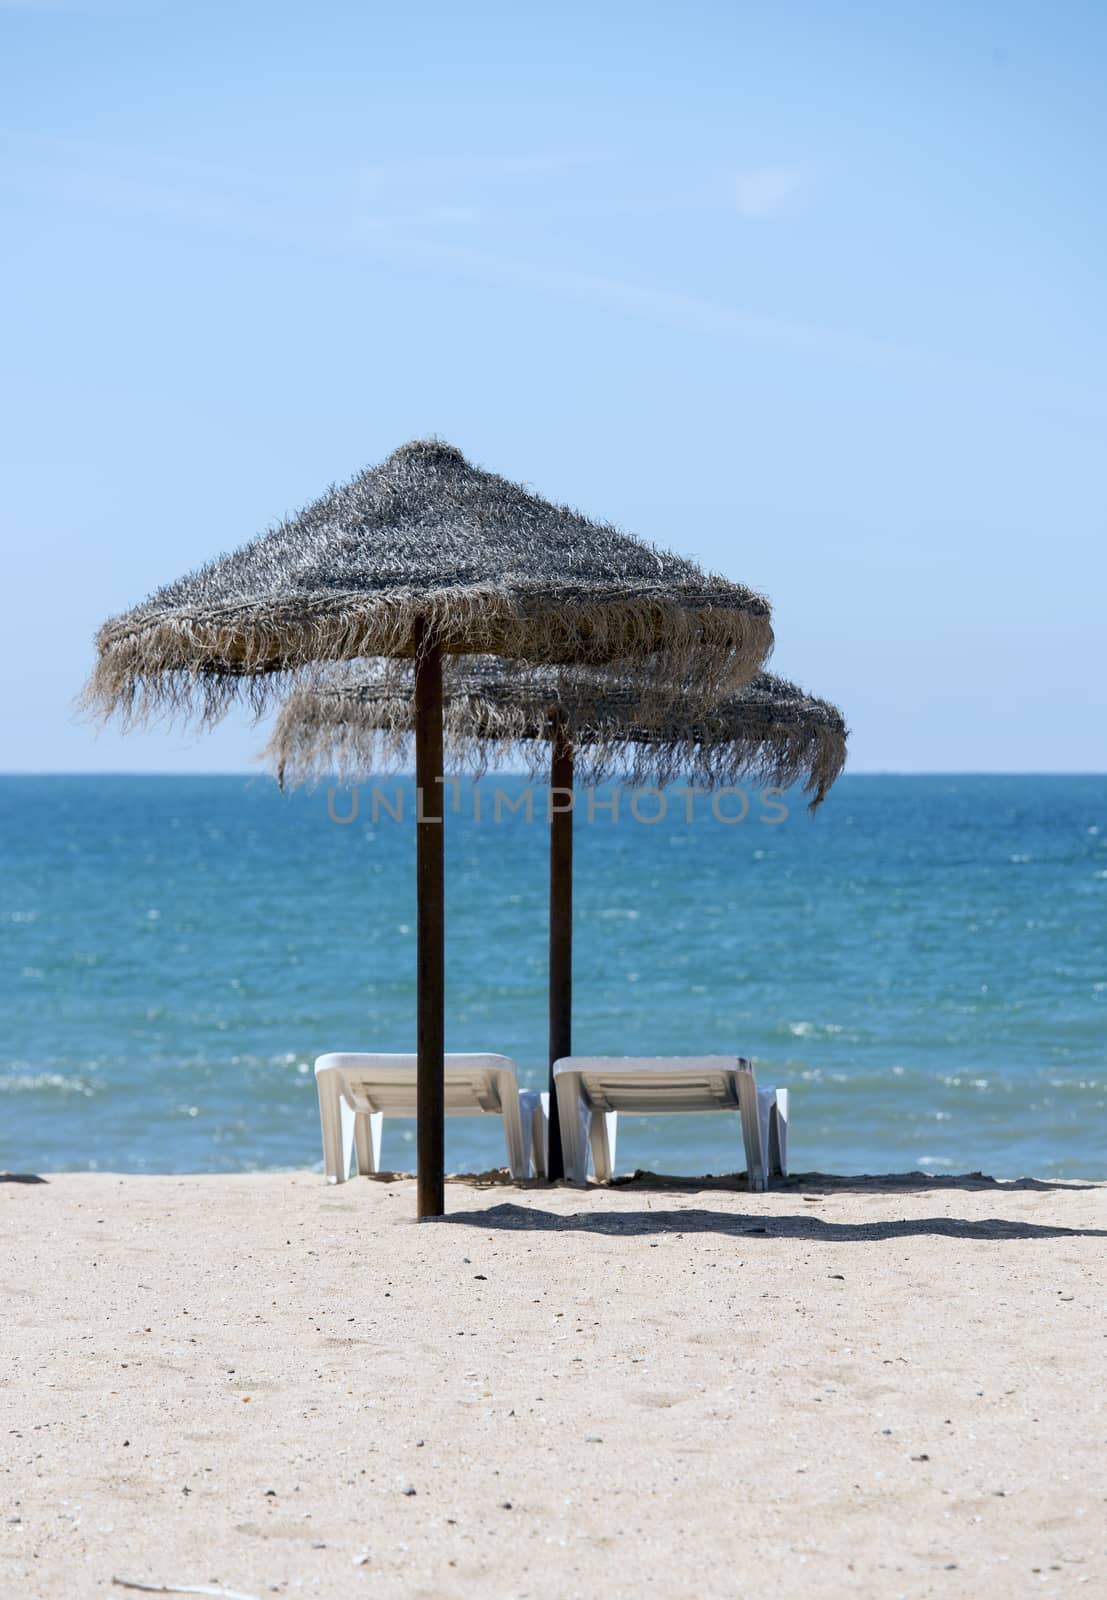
855,1387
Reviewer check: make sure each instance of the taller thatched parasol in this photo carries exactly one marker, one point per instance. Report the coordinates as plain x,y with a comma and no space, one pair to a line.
358,719
482,564
421,556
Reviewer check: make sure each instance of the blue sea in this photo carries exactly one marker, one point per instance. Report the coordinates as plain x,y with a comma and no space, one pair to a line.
924,964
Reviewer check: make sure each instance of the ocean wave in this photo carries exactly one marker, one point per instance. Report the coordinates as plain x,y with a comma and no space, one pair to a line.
814,1030
46,1082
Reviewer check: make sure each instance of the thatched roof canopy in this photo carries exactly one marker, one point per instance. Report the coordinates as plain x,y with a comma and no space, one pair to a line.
488,565
358,719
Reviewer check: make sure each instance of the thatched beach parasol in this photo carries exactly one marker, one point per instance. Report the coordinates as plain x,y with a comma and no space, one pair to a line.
422,556
358,719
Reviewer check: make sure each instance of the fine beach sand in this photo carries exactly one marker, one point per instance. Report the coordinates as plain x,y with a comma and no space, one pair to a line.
855,1387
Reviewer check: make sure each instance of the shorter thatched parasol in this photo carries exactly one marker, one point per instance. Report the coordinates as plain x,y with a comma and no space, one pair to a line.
358,719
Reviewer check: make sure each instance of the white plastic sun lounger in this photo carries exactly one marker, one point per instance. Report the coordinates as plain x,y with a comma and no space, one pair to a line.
592,1090
357,1092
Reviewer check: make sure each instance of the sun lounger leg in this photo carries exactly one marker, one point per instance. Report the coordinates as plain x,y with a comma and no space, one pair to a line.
573,1117
336,1152
766,1101
778,1136
349,1134
602,1135
753,1137
533,1109
368,1126
518,1150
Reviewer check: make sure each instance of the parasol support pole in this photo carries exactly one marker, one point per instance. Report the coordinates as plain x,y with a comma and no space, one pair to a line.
430,928
561,925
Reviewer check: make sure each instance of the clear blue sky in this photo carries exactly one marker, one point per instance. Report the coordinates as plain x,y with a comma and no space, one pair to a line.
812,292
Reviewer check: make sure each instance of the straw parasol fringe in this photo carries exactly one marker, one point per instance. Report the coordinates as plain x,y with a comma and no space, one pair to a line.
145,673
484,565
357,720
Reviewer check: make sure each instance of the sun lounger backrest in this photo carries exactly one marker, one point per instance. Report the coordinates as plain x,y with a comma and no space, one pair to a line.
470,1086
652,1085
358,1091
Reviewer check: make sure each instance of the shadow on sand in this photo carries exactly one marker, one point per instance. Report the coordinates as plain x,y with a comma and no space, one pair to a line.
807,1183
805,1227
859,1183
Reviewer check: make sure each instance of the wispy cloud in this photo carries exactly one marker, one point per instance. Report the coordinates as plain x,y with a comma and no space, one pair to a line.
474,167
51,7
81,8
415,229
663,306
768,191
